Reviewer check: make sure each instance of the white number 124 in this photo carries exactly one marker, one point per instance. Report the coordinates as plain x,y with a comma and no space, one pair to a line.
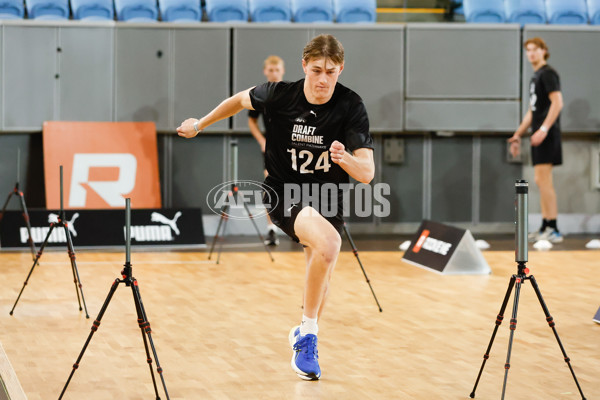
322,161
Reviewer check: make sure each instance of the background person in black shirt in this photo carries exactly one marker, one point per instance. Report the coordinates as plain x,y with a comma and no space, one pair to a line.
543,116
273,69
310,125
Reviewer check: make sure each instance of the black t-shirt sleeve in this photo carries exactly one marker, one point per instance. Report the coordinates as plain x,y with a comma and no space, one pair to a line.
253,114
263,96
551,81
356,128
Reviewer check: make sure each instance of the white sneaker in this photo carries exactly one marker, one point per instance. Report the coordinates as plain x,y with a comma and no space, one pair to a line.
534,236
551,235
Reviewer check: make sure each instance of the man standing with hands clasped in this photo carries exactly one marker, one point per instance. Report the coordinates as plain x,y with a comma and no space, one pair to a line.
318,134
543,116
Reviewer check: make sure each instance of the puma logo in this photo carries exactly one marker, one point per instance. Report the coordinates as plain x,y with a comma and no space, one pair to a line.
156,217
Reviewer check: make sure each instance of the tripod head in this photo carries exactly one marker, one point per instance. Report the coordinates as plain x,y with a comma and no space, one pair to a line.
127,270
521,216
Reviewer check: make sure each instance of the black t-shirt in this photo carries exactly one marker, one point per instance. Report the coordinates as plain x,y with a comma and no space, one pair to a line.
300,133
543,82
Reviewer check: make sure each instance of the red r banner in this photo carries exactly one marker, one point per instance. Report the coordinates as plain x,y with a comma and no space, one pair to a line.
103,163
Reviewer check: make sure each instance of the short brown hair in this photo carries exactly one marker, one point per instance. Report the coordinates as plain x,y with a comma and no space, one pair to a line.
273,60
539,42
324,46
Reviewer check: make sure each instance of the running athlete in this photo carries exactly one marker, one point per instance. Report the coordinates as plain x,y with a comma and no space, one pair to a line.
543,117
318,137
273,69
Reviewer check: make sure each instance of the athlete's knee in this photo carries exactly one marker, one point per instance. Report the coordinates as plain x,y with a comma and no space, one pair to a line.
329,247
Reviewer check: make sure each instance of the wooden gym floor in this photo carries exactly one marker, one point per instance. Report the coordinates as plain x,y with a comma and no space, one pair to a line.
221,330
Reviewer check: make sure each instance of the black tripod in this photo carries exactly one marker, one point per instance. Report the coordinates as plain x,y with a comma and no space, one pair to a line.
143,323
355,251
19,194
61,223
517,280
233,194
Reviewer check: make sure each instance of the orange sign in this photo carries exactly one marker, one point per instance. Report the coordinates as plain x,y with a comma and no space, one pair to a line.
103,163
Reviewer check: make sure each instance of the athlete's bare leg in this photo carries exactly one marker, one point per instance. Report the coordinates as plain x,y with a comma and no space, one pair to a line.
323,247
543,179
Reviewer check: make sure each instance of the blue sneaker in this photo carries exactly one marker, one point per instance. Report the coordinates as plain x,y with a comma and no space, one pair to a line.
305,360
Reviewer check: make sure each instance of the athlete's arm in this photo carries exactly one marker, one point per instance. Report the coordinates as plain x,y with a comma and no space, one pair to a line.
556,105
226,109
515,139
359,164
255,131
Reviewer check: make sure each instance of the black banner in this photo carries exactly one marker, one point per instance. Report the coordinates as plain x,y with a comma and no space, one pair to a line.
105,228
433,245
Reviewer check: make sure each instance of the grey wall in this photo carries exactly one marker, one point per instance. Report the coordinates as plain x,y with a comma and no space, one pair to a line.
462,77
111,72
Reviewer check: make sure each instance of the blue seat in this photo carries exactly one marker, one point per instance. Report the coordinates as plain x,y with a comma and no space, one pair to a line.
594,11
48,9
458,7
11,9
571,12
312,10
93,10
354,10
180,10
136,10
484,11
270,10
227,10
526,11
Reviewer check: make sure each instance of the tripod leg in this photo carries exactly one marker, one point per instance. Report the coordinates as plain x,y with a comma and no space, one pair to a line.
513,327
147,331
95,326
76,278
223,217
6,203
260,236
499,319
35,261
28,224
552,324
222,239
355,251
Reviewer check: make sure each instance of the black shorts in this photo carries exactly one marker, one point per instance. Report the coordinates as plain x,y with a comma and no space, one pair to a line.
285,219
550,151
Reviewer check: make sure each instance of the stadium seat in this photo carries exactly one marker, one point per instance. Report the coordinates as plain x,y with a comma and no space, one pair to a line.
11,9
458,7
571,12
312,10
484,11
354,10
227,10
47,9
180,10
270,11
93,10
525,11
136,10
594,11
